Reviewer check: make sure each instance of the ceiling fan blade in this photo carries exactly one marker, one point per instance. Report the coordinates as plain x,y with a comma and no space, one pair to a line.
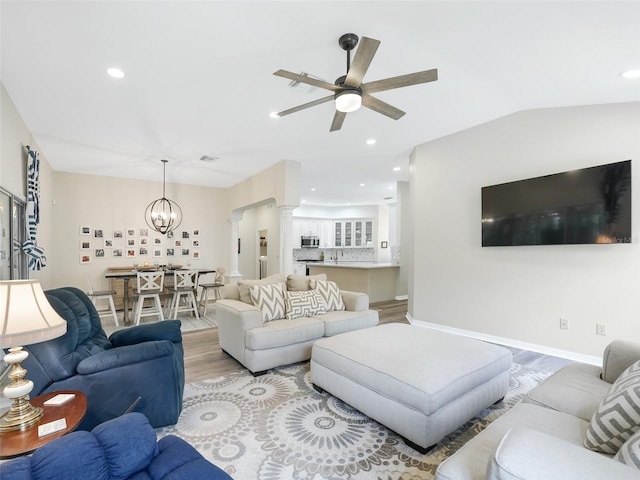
306,105
401,81
361,61
382,107
308,80
338,119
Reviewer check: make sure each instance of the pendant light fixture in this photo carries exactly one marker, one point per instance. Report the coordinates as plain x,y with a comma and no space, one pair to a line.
163,215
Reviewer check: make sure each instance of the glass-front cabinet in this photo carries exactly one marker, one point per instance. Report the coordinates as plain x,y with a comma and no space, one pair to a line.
353,233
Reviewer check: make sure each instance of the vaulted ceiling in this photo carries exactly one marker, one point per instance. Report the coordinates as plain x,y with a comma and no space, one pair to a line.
199,81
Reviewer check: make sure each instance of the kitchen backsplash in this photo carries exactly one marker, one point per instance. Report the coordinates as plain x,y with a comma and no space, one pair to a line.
346,254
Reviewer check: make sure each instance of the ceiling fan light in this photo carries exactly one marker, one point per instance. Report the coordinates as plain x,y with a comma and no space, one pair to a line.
348,101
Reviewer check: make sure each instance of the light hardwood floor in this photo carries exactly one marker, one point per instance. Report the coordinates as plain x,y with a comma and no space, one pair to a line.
203,357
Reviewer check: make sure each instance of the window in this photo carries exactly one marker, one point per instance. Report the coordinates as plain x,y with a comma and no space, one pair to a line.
13,233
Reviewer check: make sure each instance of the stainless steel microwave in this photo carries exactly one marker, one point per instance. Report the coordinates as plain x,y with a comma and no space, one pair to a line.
309,242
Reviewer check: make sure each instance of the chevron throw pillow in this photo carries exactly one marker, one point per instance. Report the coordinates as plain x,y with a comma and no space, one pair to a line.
617,417
269,299
303,304
629,453
330,293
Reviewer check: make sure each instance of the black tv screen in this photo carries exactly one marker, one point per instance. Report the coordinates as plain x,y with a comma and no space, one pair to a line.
586,206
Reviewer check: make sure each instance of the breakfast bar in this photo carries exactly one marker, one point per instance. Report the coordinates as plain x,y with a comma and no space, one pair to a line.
378,280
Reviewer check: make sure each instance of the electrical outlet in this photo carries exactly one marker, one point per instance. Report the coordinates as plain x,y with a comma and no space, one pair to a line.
601,329
564,324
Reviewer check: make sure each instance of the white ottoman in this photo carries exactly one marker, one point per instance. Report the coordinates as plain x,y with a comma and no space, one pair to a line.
420,383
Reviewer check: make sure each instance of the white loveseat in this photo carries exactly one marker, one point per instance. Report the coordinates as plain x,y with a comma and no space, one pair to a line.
543,437
260,345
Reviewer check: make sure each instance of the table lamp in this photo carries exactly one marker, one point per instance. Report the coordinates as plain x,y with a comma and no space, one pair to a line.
26,317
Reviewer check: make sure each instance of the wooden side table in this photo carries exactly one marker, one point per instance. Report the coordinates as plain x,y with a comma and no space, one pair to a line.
22,442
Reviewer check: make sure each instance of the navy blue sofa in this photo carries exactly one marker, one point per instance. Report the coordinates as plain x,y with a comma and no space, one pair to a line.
122,448
146,361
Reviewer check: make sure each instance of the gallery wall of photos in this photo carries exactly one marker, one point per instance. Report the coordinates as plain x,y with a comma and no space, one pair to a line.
142,245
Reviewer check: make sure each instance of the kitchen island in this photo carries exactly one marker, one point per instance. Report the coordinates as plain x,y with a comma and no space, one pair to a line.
378,280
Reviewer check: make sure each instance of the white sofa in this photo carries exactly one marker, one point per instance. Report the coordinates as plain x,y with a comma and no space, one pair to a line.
543,437
260,345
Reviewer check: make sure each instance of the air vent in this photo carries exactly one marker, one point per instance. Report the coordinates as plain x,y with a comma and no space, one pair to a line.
304,86
209,158
388,198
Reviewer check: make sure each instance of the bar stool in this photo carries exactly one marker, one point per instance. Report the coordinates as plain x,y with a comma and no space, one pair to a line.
149,286
95,296
214,288
185,284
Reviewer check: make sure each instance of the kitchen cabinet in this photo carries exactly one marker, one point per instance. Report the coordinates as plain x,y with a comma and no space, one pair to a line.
325,233
353,233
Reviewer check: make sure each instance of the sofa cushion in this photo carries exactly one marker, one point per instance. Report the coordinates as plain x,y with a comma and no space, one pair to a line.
574,389
629,453
618,415
299,283
279,333
330,294
303,304
269,299
243,285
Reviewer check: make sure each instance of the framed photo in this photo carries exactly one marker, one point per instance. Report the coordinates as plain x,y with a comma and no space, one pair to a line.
169,252
99,253
98,233
170,234
144,232
157,240
117,252
144,241
185,252
117,234
196,232
157,252
178,243
195,243
84,230
143,251
185,234
85,258
108,243
131,252
131,242
131,232
195,254
85,245
384,244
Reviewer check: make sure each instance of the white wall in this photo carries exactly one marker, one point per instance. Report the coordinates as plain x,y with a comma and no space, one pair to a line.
110,203
520,293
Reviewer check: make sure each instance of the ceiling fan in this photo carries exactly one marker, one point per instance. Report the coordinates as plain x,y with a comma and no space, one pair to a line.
349,91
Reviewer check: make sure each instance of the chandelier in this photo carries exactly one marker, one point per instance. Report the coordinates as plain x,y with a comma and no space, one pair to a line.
163,215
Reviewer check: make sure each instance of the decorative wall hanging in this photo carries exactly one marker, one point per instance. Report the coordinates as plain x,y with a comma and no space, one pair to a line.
37,260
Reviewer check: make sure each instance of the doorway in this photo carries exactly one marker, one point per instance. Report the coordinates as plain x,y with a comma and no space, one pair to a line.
262,253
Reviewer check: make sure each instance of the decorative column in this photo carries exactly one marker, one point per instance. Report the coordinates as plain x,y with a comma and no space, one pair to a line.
286,240
234,275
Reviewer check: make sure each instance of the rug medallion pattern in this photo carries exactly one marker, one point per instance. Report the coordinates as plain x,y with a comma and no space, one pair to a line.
278,427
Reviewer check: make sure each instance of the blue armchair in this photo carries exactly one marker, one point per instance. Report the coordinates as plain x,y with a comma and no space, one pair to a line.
124,448
145,361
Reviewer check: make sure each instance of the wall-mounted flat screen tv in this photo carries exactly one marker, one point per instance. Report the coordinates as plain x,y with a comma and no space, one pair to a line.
586,206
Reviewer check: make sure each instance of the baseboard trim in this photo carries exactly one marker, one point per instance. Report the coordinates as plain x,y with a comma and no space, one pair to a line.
402,297
576,357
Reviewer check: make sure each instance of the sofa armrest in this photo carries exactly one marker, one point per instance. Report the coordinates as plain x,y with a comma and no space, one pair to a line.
237,314
167,330
618,355
527,454
355,301
122,356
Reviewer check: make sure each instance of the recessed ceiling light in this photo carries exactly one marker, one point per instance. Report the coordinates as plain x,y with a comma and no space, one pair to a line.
362,184
115,72
631,74
391,187
274,115
313,189
371,141
396,169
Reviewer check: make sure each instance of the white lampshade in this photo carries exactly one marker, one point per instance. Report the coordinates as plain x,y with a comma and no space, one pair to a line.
348,101
26,316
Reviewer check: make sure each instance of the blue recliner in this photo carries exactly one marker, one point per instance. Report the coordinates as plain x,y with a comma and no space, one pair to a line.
124,448
145,361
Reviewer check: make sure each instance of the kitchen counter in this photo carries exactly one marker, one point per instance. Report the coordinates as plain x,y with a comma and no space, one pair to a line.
378,280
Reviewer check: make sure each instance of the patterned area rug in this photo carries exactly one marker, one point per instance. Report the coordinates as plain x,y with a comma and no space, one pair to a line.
278,427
